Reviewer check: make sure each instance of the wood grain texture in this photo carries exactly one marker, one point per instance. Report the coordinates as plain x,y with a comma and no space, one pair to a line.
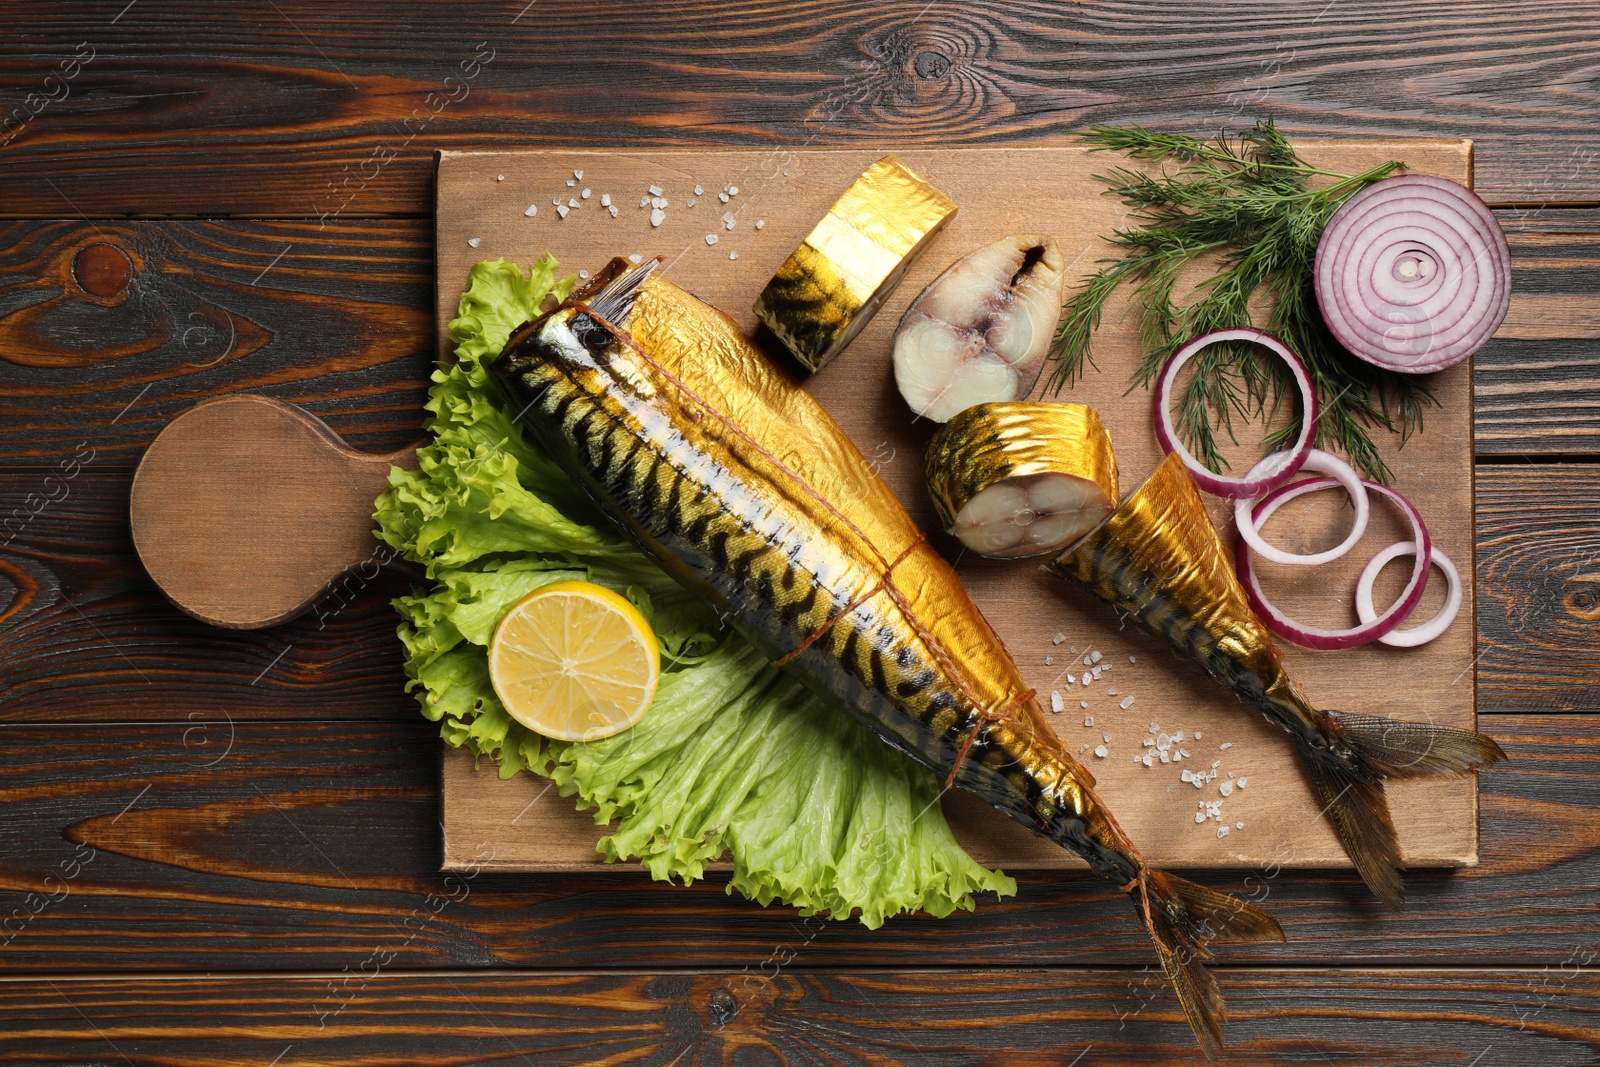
1537,383
88,637
342,324
1539,588
1492,1018
337,320
277,846
311,109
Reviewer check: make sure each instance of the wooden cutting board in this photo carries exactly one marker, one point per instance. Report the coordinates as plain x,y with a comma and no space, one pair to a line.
483,199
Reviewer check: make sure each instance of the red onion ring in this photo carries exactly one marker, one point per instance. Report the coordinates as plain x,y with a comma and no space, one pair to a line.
1345,475
1416,635
1259,480
1413,274
1313,636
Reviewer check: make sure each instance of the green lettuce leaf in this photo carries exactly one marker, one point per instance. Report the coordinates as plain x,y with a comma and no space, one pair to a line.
734,758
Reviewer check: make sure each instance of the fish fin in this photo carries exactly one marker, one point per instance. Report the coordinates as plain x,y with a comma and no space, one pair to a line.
1348,776
1398,749
1183,918
611,292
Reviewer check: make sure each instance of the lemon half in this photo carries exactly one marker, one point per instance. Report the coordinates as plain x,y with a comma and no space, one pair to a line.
574,661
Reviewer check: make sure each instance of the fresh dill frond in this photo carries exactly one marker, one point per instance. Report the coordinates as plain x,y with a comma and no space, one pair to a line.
1249,202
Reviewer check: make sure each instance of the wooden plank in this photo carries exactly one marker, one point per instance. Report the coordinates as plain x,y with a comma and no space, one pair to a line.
88,636
338,320
1491,1018
1537,383
328,108
342,324
481,201
1539,576
308,845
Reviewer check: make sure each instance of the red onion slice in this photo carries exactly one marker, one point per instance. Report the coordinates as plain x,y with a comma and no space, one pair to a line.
1345,475
1314,636
1416,635
1413,274
1272,471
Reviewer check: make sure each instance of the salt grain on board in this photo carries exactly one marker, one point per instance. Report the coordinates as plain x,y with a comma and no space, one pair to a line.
1083,703
562,210
605,199
1127,702
1056,704
1224,746
474,241
583,274
655,190
533,209
570,183
711,238
761,224
657,216
584,194
1100,751
613,210
578,174
733,255
698,191
1058,638
572,202
499,177
634,257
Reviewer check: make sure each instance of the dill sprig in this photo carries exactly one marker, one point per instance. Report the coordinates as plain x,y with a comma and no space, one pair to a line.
1249,202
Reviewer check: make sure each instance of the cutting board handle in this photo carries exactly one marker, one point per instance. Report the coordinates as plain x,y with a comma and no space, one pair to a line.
246,510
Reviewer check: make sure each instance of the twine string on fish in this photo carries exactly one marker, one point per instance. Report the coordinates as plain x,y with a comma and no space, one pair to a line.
885,583
833,620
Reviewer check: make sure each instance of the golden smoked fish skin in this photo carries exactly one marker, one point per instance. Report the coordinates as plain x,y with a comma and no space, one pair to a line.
745,490
832,285
1158,560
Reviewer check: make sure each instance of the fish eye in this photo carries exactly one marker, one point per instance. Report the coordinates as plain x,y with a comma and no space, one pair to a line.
590,333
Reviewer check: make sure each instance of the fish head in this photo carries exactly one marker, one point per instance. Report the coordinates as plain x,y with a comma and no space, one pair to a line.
586,336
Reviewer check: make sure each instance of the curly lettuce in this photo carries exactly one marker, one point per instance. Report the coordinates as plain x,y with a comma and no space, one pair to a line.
734,757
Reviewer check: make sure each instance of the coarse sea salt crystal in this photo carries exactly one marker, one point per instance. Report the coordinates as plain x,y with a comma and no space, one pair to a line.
533,209
1127,702
733,255
711,238
1097,657
562,210
690,202
634,257
1049,660
1096,673
1083,703
1197,735
583,274
1058,638
1105,737
1088,720
761,224
657,216
1056,704
1100,751
1199,816
1088,661
655,190
572,201
1222,831
578,174
584,194
658,201
644,201
570,183
1226,789
698,190
613,210
1111,692
723,197
1148,742
1239,825
605,199
733,190
499,177
1240,782
474,241
1147,761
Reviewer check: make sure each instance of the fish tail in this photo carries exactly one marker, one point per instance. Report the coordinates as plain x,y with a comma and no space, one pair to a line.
1348,769
1183,918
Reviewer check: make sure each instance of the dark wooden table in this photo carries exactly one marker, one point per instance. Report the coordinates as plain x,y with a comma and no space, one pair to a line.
222,848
